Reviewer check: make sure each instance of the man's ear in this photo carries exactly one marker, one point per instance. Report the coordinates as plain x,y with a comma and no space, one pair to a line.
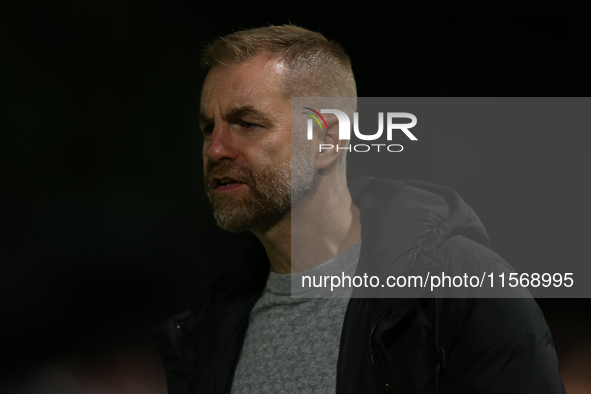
329,141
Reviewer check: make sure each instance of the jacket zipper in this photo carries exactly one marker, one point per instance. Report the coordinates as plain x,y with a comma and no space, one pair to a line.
414,259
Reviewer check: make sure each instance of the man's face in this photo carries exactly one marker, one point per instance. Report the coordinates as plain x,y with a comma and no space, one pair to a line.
246,125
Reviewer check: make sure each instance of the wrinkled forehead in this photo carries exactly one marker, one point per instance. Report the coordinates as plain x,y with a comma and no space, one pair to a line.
257,83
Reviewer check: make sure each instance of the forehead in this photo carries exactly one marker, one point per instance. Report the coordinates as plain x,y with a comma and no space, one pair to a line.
257,83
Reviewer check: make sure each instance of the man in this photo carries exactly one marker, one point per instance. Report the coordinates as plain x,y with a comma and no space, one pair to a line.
251,334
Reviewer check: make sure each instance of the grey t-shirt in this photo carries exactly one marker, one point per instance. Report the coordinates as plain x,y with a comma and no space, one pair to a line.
292,344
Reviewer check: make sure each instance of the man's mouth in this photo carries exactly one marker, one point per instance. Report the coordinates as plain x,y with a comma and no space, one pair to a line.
226,184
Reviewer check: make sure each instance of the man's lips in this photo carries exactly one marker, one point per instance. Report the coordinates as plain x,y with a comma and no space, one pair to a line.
229,187
223,184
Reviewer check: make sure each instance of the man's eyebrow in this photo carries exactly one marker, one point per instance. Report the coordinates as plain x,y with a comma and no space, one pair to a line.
238,113
204,119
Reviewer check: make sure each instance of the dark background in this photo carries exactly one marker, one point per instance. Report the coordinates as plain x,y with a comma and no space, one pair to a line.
105,228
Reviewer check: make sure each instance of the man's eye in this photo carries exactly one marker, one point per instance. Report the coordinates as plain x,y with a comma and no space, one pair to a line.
247,125
207,130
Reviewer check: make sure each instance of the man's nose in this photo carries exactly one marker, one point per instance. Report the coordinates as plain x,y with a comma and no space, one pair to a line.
221,145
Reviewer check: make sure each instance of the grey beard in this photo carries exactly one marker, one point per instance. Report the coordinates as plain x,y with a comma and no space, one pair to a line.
303,174
274,190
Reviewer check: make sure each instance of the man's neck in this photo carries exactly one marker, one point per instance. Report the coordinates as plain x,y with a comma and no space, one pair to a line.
321,226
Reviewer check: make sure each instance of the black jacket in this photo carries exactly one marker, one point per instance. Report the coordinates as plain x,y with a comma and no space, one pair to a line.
388,345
